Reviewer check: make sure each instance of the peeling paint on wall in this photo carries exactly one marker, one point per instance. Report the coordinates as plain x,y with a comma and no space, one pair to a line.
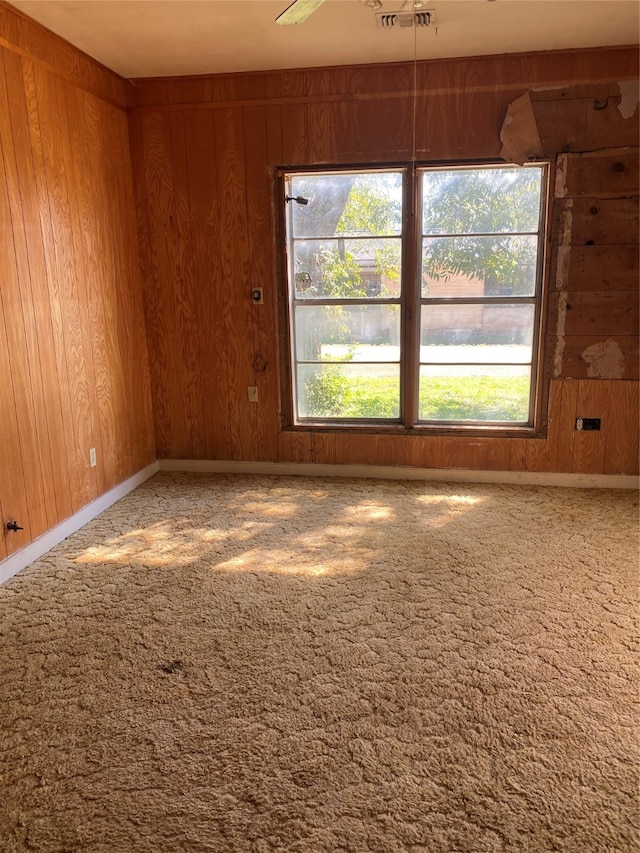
562,279
519,133
604,360
629,97
561,176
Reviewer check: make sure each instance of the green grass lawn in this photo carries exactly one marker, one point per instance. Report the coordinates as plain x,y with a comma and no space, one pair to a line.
443,398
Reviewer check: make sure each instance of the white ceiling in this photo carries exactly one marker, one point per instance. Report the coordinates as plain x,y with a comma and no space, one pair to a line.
149,38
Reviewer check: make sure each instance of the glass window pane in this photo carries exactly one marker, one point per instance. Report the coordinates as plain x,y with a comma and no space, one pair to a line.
472,201
347,268
348,390
348,203
485,394
477,333
347,333
479,266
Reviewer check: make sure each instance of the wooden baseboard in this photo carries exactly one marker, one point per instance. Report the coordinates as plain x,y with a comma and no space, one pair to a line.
452,475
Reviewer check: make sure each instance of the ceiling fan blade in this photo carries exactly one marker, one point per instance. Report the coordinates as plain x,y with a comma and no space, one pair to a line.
298,12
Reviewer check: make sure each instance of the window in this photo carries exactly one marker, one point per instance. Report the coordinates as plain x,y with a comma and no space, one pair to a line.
414,320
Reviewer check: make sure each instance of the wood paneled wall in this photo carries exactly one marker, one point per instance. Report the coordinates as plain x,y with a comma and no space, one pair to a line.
204,152
73,356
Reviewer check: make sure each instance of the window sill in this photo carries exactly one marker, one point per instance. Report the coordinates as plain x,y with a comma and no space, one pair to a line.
423,430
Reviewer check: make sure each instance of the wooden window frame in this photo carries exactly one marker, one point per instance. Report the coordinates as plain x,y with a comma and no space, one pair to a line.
410,306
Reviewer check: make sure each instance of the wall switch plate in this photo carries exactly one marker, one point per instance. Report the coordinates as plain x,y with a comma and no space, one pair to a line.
257,295
253,393
92,457
587,424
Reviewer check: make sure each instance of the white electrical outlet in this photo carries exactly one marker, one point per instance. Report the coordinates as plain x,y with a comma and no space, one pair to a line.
92,457
253,393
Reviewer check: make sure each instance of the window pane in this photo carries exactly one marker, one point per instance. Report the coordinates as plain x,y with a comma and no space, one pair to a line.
473,201
347,333
347,268
348,390
486,394
477,333
479,266
347,204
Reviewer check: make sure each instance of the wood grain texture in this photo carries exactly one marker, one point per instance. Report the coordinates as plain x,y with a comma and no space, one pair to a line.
547,73
20,330
64,285
567,413
604,313
622,421
360,115
596,221
590,446
49,405
26,38
237,309
606,174
187,299
610,267
173,432
262,263
209,280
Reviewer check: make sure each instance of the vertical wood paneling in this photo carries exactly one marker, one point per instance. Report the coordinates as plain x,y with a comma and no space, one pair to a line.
153,319
49,222
589,446
135,437
622,436
49,405
159,177
64,287
70,301
102,292
567,417
262,263
59,56
362,115
294,134
84,396
185,272
77,163
20,330
12,400
236,306
209,280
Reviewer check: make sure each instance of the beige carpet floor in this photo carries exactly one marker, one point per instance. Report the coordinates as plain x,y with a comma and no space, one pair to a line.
261,664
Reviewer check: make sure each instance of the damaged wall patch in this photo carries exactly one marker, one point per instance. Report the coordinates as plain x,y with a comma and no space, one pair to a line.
604,360
629,97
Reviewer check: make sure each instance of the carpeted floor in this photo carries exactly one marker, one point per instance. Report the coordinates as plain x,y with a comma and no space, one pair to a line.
260,664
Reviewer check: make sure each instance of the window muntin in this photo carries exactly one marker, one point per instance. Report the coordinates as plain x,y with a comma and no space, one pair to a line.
477,259
480,264
345,274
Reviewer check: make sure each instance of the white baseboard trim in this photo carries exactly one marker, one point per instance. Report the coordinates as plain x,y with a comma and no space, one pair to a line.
382,472
13,564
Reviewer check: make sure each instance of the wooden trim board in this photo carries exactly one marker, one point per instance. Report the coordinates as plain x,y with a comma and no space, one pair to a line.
388,472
